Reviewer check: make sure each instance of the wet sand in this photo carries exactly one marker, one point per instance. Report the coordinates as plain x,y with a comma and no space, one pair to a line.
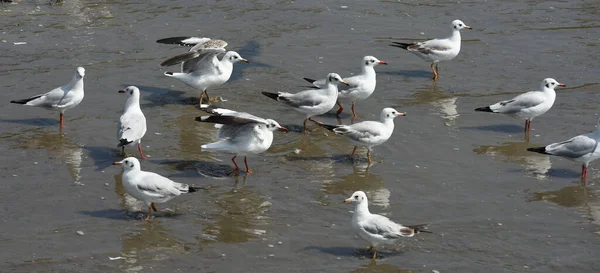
493,207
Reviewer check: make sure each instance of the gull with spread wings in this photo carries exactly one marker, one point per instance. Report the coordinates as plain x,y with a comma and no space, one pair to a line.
239,133
200,67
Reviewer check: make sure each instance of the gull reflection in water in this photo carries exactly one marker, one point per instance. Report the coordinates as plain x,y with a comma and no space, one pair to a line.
60,147
447,108
439,98
361,179
585,200
537,165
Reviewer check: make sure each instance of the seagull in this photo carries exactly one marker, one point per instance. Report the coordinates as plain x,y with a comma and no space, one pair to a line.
312,102
528,105
240,133
360,86
200,67
582,149
61,98
437,50
368,133
375,228
149,187
132,124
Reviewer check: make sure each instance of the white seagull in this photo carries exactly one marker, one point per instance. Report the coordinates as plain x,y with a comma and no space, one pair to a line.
582,149
200,67
312,102
61,98
240,133
149,187
437,50
132,124
368,133
360,87
377,229
528,105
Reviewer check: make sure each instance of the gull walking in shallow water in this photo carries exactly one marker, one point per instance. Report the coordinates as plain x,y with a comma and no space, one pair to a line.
240,133
437,50
582,149
528,105
377,229
368,133
200,67
60,99
149,187
312,102
132,124
359,87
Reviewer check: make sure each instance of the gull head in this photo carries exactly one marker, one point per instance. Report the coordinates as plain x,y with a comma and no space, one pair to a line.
390,113
131,91
234,57
130,163
372,61
80,73
273,125
458,25
356,198
334,78
551,83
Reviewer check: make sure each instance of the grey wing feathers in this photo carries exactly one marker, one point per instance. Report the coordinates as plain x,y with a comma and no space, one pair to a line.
382,226
204,61
226,116
573,148
180,58
306,98
159,186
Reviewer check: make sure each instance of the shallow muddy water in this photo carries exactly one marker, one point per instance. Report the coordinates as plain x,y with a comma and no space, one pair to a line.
493,206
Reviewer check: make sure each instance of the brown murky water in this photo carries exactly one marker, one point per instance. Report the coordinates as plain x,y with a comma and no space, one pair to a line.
493,206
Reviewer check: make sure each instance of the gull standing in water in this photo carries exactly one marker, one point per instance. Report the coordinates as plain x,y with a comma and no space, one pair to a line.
368,133
528,105
377,229
582,149
437,50
200,67
132,124
312,102
359,87
240,133
60,99
149,187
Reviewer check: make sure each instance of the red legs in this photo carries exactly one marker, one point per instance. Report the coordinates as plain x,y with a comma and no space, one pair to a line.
353,151
584,171
247,169
315,121
374,252
354,115
153,207
340,109
527,129
202,96
305,126
237,169
149,211
61,123
140,149
122,150
435,73
369,156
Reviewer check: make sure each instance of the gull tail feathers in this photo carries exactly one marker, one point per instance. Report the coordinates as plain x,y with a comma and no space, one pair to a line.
328,127
484,109
274,96
400,45
123,142
409,231
219,145
309,80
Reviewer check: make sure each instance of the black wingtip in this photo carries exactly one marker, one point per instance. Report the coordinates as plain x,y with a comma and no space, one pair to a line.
309,80
169,73
420,228
271,95
123,142
24,101
195,189
484,109
328,127
400,45
541,150
173,40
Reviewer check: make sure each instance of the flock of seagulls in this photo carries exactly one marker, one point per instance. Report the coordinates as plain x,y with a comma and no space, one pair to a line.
243,134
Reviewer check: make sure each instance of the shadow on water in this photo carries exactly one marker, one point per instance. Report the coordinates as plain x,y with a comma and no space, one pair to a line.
103,156
250,51
148,241
408,73
341,251
162,96
193,168
585,200
501,128
33,121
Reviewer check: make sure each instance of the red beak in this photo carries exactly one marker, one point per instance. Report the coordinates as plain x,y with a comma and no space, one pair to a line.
283,129
562,84
121,91
382,62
